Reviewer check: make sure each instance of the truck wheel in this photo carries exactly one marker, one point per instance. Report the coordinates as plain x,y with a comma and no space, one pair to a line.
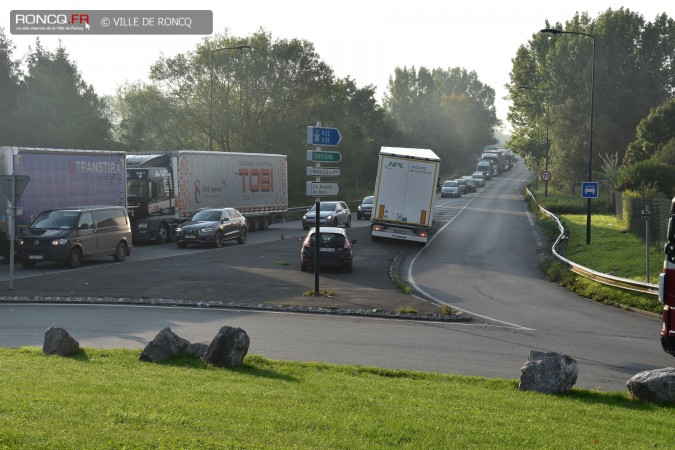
120,252
243,235
264,223
163,233
75,258
348,268
218,241
28,264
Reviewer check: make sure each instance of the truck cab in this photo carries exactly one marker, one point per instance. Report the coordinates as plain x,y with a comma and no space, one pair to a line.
150,197
667,288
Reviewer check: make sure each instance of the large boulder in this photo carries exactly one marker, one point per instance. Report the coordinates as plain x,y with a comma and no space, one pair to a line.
656,386
548,372
59,342
165,345
228,348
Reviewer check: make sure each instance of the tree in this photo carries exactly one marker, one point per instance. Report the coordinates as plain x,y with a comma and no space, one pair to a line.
449,111
633,73
653,132
9,89
56,108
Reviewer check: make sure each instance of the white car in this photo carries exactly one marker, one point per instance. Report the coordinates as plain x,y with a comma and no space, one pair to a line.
479,177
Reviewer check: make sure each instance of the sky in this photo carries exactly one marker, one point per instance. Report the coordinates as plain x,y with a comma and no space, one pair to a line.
363,39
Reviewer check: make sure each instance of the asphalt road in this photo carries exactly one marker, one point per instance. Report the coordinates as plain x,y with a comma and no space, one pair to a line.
483,261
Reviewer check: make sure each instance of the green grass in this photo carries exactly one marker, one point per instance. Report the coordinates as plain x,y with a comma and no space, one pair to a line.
613,250
109,399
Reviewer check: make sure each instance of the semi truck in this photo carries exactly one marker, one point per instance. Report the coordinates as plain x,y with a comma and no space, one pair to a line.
405,187
667,288
59,178
497,161
166,188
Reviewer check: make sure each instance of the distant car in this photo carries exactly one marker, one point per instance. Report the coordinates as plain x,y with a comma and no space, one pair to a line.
470,183
333,213
365,209
463,188
450,188
335,249
212,227
479,178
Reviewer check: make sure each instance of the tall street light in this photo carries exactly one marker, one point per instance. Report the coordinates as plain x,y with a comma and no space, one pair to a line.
547,140
238,47
590,137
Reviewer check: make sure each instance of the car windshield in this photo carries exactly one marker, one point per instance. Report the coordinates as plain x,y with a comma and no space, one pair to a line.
367,200
450,183
325,206
206,216
63,220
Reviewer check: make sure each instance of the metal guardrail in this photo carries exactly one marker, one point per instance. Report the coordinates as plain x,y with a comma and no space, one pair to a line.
603,278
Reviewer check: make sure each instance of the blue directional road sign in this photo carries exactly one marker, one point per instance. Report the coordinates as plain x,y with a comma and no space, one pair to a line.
589,189
322,136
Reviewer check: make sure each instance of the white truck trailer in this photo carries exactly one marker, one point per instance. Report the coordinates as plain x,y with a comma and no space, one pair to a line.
59,178
168,187
405,187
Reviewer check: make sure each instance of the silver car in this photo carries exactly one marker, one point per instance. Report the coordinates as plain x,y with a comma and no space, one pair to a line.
332,214
479,178
450,188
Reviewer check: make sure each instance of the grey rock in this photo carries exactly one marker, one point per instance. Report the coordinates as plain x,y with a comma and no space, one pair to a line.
228,348
197,349
548,372
59,342
656,386
165,345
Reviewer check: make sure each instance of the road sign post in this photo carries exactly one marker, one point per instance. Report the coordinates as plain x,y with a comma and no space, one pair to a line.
646,215
328,137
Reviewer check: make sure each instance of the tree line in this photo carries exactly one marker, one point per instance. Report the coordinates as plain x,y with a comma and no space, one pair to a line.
631,74
263,100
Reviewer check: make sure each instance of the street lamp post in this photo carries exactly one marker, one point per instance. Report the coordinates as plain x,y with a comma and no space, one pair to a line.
238,47
547,140
590,137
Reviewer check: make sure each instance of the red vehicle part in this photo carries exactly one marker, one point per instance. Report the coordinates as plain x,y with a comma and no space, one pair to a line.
667,289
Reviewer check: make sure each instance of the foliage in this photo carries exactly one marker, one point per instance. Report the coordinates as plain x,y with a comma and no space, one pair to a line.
263,100
632,73
9,87
449,111
56,108
118,401
654,132
652,178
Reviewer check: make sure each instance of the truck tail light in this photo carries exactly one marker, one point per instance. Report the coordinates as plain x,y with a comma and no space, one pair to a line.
423,234
377,227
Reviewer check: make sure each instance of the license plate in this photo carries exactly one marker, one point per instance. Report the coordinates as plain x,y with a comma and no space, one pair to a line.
34,256
189,236
327,249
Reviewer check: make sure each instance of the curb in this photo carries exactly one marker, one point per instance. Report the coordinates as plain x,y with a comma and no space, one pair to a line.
375,313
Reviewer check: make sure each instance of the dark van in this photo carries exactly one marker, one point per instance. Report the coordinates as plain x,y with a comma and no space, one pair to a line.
69,235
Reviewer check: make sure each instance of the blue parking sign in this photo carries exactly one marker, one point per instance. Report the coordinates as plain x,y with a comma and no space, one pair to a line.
589,189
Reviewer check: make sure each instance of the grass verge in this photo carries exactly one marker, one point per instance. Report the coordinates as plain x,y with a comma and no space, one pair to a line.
613,250
109,399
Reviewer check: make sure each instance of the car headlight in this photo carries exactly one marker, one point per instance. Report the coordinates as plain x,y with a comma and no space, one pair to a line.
207,230
329,217
359,208
143,225
59,242
304,217
179,229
